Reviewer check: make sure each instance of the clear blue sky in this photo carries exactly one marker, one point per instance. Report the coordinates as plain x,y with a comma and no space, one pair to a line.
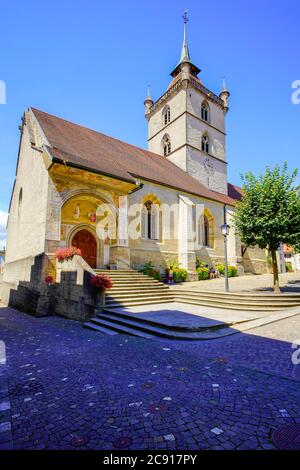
91,61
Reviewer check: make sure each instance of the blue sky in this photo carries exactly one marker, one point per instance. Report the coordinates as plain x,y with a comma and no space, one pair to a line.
91,61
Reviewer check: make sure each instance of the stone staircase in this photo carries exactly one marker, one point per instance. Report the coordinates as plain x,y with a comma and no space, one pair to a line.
131,288
237,301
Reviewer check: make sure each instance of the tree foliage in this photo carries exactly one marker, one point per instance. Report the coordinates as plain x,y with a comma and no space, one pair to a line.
269,212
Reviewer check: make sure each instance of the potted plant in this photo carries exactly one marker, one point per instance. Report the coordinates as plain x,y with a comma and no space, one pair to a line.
101,283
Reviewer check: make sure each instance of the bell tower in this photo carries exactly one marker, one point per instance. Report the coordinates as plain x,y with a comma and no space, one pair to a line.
187,123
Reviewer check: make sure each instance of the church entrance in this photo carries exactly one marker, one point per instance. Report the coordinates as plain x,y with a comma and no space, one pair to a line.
86,242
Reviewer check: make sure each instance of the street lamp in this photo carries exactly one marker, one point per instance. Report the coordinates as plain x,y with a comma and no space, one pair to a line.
225,232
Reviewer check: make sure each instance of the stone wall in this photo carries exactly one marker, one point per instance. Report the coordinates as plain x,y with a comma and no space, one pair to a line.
67,298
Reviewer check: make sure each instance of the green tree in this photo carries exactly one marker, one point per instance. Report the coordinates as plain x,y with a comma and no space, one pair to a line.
269,212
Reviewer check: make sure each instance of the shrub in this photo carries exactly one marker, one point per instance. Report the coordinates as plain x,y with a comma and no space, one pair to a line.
101,281
149,270
203,273
180,274
201,264
67,253
232,270
289,267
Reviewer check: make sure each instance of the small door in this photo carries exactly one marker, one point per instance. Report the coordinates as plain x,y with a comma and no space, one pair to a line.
86,242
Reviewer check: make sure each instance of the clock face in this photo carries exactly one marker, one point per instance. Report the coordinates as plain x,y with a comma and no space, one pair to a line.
209,166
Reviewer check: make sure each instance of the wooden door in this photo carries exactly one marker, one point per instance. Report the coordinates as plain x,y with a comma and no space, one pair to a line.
86,242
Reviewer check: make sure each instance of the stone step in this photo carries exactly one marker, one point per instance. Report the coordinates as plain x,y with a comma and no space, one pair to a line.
227,306
99,328
278,303
143,294
142,329
137,288
118,328
132,303
238,295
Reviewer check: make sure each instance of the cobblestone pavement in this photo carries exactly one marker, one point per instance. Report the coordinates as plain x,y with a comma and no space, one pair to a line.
71,388
262,283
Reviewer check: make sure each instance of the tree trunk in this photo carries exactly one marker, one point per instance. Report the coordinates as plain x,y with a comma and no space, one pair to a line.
275,273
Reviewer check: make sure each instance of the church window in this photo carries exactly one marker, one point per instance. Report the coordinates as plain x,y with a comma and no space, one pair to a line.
166,115
206,232
205,143
149,221
205,112
166,145
20,200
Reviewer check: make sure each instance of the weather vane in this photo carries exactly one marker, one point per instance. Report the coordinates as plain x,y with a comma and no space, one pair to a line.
185,18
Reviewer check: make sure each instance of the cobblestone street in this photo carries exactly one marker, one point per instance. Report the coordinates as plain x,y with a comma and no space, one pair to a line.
66,387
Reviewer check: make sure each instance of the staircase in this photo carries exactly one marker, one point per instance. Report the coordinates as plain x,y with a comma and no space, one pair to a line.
131,288
237,301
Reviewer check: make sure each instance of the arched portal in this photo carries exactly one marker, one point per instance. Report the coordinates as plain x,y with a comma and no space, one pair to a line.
86,242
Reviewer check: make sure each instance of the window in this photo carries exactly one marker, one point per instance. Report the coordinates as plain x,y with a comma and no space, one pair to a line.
20,200
166,115
206,232
205,112
205,143
149,221
166,143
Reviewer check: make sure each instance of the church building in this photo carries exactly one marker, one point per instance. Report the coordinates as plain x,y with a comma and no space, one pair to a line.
123,205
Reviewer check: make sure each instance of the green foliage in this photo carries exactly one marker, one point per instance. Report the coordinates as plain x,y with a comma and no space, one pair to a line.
289,267
179,274
269,212
200,264
203,273
149,270
232,270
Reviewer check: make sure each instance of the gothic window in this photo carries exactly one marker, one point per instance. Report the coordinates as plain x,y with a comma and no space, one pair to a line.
205,143
205,112
149,221
206,232
166,143
166,115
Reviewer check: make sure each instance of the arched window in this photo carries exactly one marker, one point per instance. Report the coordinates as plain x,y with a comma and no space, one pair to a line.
166,115
166,144
205,143
149,221
206,231
205,112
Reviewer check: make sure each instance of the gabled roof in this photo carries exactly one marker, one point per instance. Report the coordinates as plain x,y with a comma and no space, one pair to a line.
88,149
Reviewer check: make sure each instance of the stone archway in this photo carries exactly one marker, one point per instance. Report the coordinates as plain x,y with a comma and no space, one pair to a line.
87,243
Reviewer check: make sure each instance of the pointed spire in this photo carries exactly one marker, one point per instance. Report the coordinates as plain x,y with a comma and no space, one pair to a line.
185,53
224,85
148,92
185,59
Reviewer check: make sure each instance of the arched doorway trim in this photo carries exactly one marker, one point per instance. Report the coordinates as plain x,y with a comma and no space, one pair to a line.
88,228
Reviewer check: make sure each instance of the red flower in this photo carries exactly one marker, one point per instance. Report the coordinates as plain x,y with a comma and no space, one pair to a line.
101,281
67,253
49,280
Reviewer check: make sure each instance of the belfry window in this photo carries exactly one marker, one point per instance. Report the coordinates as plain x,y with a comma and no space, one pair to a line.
166,115
149,221
205,143
166,145
205,112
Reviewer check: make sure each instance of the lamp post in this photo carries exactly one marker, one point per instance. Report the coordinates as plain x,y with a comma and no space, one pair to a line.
225,232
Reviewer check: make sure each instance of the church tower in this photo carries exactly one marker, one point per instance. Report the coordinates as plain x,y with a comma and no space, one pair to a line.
187,124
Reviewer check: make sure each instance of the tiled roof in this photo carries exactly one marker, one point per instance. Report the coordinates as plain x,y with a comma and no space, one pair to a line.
92,150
